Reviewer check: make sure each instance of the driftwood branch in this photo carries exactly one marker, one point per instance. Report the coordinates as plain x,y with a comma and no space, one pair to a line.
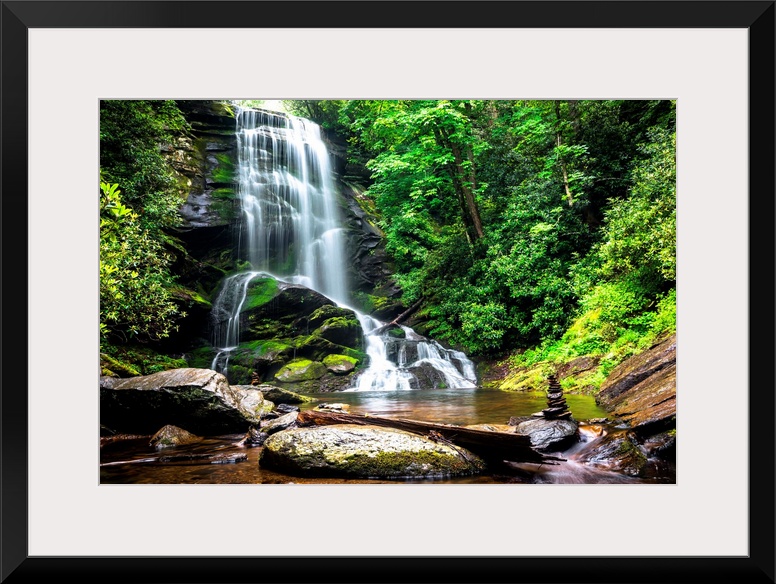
489,445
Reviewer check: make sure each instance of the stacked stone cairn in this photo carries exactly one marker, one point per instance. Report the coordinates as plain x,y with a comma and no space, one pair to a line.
557,408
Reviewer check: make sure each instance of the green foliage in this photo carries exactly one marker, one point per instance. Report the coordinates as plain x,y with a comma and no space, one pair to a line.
133,134
135,281
577,200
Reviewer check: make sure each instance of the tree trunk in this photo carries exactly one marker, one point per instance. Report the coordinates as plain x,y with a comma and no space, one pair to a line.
559,137
463,187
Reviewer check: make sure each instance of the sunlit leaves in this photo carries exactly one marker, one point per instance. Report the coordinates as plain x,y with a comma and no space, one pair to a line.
134,275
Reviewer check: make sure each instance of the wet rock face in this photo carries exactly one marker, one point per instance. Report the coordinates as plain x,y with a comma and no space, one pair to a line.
617,451
350,450
641,391
211,158
200,400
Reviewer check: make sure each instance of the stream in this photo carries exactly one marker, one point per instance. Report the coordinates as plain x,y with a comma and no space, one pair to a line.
135,462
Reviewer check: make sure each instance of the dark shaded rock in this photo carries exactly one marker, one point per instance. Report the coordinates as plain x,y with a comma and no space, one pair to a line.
617,451
255,437
330,407
286,408
555,435
198,399
172,436
283,396
281,423
662,446
427,377
351,450
371,269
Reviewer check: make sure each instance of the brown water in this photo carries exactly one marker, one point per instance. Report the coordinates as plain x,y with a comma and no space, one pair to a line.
134,462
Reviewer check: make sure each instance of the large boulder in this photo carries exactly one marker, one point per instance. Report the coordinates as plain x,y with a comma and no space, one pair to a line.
200,400
351,450
301,370
641,391
546,435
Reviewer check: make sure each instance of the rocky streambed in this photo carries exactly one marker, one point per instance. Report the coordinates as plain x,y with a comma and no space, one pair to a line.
159,427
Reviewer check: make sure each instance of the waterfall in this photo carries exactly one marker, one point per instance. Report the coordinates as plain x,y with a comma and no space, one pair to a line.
291,226
290,229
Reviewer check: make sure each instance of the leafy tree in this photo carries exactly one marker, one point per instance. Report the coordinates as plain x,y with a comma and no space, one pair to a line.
135,301
135,276
132,135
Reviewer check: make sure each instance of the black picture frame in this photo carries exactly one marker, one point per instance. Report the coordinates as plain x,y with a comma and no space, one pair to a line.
19,16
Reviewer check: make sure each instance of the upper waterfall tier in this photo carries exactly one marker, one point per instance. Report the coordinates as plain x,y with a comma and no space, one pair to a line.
291,223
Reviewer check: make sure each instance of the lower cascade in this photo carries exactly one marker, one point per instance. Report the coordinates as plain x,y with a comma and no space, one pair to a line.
290,230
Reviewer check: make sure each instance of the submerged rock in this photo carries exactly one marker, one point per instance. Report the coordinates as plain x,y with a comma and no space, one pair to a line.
198,399
352,450
549,434
172,436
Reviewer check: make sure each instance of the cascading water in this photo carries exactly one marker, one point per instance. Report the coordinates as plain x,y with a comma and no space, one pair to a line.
291,230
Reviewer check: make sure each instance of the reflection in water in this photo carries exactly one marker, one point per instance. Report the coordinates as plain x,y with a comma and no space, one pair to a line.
135,462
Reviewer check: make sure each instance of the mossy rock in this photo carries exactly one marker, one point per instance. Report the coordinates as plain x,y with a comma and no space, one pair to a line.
283,396
193,297
352,450
259,292
341,330
224,194
301,370
224,171
115,368
340,364
132,360
324,313
397,332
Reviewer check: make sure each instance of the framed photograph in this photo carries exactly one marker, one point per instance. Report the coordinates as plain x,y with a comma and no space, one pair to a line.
711,61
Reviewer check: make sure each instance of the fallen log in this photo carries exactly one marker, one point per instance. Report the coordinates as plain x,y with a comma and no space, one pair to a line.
489,445
399,319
